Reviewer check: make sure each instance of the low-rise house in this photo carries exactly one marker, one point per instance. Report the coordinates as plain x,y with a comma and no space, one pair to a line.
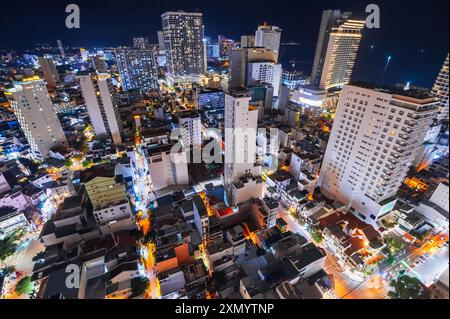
11,220
351,239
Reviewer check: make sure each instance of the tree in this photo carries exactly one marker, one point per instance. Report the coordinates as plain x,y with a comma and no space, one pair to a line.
8,247
139,285
24,286
68,163
406,287
316,235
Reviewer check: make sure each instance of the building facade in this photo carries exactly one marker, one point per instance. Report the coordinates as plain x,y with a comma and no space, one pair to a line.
440,90
191,128
241,122
102,105
269,37
337,46
33,109
49,70
183,38
372,145
138,67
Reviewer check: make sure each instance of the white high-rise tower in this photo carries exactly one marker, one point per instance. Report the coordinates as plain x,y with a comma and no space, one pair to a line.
440,90
269,37
372,145
34,110
242,174
102,105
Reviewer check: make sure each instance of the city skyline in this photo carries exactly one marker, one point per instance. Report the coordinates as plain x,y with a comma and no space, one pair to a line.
416,49
200,168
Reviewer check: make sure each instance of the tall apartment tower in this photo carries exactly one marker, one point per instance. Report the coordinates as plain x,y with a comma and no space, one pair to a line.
141,43
102,105
440,90
49,70
372,145
33,109
183,37
191,126
337,46
269,37
247,41
251,65
138,68
241,170
99,64
161,43
61,49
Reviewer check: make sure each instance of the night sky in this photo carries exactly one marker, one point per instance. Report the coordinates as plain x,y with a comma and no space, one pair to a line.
415,33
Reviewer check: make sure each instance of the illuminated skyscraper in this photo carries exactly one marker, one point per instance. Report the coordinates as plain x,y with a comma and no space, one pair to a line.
247,41
337,46
440,90
102,105
61,49
138,68
225,46
242,175
250,66
183,37
269,37
373,143
140,43
33,109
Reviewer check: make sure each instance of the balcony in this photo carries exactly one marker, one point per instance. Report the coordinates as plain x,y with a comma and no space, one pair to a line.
407,130
410,123
399,150
393,161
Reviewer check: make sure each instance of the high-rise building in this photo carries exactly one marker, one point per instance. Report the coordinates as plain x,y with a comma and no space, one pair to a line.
225,46
62,52
141,43
138,68
183,38
207,99
99,63
265,72
249,66
440,90
337,46
293,78
102,105
191,128
247,41
269,37
48,68
161,43
33,109
372,145
242,174
212,104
